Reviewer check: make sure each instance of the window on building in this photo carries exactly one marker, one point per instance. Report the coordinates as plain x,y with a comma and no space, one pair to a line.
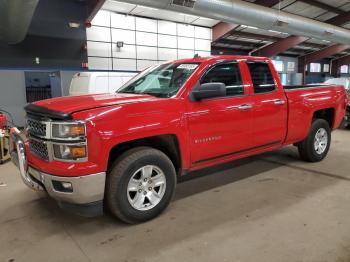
344,69
229,74
278,65
291,66
326,68
262,78
315,68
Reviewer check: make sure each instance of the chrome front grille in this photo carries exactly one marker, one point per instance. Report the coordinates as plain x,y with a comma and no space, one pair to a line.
36,128
39,148
41,140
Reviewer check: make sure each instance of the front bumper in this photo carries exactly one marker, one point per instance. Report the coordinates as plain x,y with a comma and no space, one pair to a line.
84,191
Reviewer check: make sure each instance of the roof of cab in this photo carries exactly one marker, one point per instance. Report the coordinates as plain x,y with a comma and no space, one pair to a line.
219,57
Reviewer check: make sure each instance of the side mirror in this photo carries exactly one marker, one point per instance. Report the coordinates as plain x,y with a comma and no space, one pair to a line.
208,90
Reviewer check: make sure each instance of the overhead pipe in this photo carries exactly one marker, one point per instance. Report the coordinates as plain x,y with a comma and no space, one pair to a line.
246,13
15,19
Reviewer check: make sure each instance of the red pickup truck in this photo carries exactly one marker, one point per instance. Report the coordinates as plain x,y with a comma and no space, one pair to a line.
124,151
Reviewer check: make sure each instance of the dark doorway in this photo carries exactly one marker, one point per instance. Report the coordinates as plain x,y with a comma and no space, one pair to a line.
42,85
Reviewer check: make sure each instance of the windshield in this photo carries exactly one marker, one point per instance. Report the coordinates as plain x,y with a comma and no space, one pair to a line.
162,81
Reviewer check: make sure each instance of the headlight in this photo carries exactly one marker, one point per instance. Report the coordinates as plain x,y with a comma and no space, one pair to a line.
74,130
70,152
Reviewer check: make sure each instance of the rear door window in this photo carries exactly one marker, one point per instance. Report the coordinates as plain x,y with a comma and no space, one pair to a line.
227,73
262,78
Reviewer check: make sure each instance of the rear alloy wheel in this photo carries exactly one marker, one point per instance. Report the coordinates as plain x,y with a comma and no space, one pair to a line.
316,146
140,185
321,141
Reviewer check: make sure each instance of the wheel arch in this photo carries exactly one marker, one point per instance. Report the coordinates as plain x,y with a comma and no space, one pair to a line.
168,144
327,114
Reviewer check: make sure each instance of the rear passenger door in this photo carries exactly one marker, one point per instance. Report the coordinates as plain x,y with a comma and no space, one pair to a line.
220,127
269,105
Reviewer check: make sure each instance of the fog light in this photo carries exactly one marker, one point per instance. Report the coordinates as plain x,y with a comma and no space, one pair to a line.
67,185
61,186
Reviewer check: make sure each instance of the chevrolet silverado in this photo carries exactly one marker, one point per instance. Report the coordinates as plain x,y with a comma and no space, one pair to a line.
123,152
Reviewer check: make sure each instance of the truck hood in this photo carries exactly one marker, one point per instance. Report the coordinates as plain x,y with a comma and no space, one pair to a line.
71,104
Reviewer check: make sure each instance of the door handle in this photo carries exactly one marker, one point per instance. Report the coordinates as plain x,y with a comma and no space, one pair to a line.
245,107
279,102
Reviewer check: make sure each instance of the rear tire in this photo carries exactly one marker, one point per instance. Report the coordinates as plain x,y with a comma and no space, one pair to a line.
140,185
316,146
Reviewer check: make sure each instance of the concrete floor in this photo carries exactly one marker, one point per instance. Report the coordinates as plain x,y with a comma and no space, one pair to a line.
268,208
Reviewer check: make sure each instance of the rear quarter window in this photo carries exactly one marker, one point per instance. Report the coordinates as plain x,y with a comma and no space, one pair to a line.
262,78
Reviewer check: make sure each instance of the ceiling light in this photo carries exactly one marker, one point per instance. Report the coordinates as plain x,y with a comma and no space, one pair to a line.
278,32
149,8
74,25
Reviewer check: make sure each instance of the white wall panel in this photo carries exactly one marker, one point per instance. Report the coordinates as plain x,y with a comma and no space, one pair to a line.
167,54
185,43
201,44
146,39
96,33
143,64
102,18
167,41
147,25
124,64
185,54
99,49
99,63
127,51
123,21
127,36
145,52
185,30
202,32
165,27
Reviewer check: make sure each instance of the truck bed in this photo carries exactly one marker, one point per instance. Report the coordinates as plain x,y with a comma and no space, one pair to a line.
306,86
304,100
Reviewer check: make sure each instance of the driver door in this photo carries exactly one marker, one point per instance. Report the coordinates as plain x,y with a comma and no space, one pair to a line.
221,127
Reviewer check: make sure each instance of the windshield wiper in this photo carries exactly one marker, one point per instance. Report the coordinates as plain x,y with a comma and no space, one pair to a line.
126,92
156,94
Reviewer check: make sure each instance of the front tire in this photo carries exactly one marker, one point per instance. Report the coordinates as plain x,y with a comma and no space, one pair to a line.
316,146
140,185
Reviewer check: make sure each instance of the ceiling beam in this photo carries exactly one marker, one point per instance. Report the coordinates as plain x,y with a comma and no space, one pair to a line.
319,55
338,63
267,3
340,20
93,7
222,29
269,38
283,45
279,46
323,6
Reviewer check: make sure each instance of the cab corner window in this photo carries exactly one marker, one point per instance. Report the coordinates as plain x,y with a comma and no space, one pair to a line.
263,81
227,73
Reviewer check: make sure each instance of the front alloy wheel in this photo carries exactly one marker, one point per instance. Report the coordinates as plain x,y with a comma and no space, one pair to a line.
146,187
140,184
